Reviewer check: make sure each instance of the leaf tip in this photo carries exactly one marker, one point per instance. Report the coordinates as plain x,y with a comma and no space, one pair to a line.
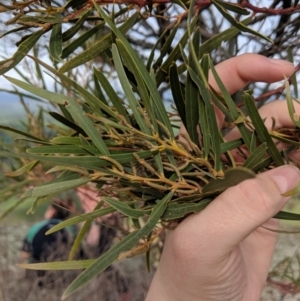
292,191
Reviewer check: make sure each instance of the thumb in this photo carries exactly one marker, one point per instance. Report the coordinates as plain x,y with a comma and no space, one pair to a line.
237,212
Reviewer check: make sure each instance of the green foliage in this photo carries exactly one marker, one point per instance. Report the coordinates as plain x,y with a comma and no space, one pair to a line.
125,143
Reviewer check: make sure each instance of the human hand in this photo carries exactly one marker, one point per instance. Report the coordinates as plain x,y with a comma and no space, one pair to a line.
88,196
223,253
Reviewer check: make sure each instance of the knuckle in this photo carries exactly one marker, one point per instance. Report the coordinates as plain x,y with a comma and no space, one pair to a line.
182,245
256,194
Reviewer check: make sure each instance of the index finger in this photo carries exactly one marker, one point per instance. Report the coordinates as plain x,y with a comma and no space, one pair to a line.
237,72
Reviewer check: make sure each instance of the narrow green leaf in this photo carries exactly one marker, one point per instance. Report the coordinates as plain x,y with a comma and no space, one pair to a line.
219,103
66,140
96,104
237,24
232,177
70,32
176,211
293,115
234,113
98,90
233,7
253,144
38,68
177,92
154,48
258,155
88,126
55,188
124,245
81,234
82,39
208,124
88,162
7,128
230,145
191,12
125,209
25,95
55,43
86,143
10,209
79,171
72,106
81,218
97,48
5,33
283,139
112,95
202,99
23,49
51,96
261,130
134,104
79,237
67,122
230,103
64,149
65,176
181,4
292,192
216,41
66,114
192,96
204,128
141,86
192,110
287,216
59,265
22,170
38,201
150,83
50,19
293,77
205,65
166,47
215,135
108,122
75,4
174,55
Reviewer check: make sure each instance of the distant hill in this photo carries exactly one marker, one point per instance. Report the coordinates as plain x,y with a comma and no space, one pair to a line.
12,111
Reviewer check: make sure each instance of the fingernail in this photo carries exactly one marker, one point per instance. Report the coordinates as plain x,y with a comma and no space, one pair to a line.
279,62
286,177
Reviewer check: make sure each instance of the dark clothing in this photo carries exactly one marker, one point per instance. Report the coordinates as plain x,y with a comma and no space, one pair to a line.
39,245
46,248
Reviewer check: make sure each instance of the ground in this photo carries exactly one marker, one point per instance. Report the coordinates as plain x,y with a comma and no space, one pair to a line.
15,287
287,251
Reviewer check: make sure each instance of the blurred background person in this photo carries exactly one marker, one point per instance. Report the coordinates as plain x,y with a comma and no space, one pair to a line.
103,233
38,247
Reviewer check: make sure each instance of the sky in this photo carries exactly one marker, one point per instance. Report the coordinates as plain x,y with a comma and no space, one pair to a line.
10,108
